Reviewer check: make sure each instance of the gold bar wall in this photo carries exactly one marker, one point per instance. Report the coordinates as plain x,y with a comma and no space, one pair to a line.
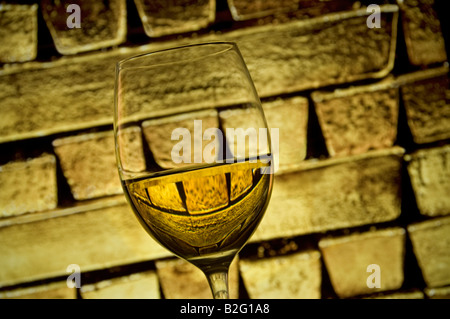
364,124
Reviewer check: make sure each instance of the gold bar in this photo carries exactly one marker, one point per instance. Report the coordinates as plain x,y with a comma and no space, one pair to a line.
94,239
430,178
56,290
277,57
158,134
161,17
206,194
18,32
286,9
415,294
358,119
240,182
431,245
425,97
91,25
348,258
296,276
334,193
136,286
331,49
438,293
89,164
423,35
290,117
165,196
28,186
245,9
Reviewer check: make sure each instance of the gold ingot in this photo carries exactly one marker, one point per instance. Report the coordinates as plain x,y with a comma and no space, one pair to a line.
28,186
319,195
422,29
109,234
241,181
158,134
358,119
206,194
290,117
425,97
365,263
430,179
18,33
296,276
166,197
56,290
431,244
161,17
136,286
86,25
89,163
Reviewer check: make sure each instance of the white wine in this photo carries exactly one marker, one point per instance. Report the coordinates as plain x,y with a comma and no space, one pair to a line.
203,212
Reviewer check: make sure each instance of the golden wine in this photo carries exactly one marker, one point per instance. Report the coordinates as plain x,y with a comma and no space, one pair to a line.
203,212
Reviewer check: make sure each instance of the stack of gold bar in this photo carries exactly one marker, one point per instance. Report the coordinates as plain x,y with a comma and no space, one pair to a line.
359,95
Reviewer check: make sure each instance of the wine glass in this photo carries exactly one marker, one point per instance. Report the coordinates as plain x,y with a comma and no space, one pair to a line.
194,152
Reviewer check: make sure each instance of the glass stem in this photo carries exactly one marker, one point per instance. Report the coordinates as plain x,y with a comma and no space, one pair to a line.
218,281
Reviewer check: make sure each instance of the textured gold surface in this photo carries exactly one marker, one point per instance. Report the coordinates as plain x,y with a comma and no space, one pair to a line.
430,178
244,125
18,32
162,17
135,286
438,293
206,194
64,210
130,149
245,9
295,54
423,35
28,186
290,117
415,294
182,280
285,9
296,276
431,244
358,119
166,197
57,290
331,49
334,193
93,239
102,24
158,135
426,99
347,258
89,164
78,92
240,181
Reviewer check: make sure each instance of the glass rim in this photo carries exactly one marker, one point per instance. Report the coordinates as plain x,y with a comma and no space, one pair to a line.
231,46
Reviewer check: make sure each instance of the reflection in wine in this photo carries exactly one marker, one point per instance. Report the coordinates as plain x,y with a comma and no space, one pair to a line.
207,212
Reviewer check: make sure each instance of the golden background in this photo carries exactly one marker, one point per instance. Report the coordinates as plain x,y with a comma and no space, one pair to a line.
364,122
